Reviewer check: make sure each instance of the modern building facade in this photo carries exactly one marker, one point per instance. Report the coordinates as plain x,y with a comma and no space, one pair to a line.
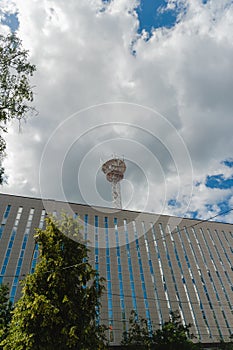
153,264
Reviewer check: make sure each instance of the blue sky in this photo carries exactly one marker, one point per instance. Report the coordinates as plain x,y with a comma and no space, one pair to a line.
154,14
179,72
157,14
11,20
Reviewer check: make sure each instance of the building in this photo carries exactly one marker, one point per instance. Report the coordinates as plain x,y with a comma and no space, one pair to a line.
151,263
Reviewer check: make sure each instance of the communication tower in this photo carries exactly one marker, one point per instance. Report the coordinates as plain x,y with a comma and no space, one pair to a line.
114,170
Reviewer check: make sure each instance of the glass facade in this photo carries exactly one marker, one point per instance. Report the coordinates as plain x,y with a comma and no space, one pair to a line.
150,264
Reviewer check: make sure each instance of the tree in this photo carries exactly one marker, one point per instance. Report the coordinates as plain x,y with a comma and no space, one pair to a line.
5,311
15,90
173,335
60,300
226,345
138,333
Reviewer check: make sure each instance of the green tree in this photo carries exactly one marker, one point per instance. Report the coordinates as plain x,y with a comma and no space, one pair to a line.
173,335
138,334
60,300
15,90
5,311
226,345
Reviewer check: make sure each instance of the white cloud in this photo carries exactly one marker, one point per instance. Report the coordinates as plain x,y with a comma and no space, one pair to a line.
84,58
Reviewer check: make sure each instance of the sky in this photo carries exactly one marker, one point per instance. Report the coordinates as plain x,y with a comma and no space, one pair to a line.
150,81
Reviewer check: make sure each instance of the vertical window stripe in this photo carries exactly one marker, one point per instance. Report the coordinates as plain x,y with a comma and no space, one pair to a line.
109,281
85,233
163,278
86,228
97,262
146,304
4,219
158,307
96,243
36,249
131,277
119,271
10,244
21,256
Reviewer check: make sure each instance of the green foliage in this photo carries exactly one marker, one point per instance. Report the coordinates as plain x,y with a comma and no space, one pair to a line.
138,333
59,302
5,311
15,91
173,335
226,345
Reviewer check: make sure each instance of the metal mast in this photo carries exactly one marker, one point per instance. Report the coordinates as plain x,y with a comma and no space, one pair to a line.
114,170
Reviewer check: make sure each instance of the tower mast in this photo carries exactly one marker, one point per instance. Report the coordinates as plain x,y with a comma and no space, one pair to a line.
114,170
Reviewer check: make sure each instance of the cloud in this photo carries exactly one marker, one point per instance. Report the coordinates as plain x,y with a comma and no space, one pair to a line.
213,193
84,56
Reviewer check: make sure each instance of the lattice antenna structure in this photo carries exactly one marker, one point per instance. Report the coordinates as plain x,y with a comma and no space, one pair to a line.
114,170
